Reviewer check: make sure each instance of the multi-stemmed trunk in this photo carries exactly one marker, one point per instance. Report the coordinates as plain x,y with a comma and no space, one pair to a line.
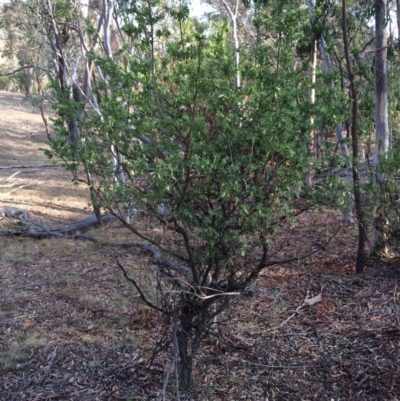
185,364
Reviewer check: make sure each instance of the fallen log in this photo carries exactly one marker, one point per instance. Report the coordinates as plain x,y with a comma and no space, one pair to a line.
75,228
30,166
34,229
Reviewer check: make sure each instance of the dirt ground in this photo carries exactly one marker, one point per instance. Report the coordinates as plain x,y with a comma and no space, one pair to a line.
71,327
50,193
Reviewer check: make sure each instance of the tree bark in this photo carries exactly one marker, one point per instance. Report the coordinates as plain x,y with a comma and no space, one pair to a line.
186,360
354,137
347,214
233,17
379,235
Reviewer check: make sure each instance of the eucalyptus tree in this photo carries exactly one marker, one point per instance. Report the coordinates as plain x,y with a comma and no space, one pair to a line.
318,31
380,226
24,42
71,37
353,93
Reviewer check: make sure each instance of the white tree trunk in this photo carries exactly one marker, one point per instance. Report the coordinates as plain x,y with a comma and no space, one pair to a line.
233,17
379,237
347,214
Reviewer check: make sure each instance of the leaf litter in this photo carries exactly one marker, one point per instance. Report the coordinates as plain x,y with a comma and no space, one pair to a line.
71,327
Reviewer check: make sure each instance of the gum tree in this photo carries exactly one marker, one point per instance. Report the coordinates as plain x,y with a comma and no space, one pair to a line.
380,225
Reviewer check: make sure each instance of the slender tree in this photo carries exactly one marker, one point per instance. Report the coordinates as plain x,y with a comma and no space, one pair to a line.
354,138
347,215
380,225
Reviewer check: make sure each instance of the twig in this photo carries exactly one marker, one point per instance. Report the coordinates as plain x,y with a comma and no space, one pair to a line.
174,361
25,67
30,166
47,371
296,312
9,178
222,294
306,302
13,184
396,306
277,296
276,367
20,187
21,389
144,299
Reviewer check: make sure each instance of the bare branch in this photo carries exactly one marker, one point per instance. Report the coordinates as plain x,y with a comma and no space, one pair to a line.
8,178
144,299
276,367
173,363
24,68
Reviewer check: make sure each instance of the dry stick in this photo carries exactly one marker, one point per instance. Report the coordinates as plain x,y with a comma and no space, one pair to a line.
276,297
173,363
31,166
278,367
144,299
9,178
46,370
307,302
12,184
20,187
25,67
396,306
298,309
55,233
22,389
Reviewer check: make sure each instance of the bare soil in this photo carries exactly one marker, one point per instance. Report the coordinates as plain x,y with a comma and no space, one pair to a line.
71,328
51,194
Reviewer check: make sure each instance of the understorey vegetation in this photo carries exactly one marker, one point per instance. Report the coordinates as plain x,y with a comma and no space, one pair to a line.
221,167
208,139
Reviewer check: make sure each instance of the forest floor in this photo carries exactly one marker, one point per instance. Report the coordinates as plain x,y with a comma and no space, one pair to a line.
72,328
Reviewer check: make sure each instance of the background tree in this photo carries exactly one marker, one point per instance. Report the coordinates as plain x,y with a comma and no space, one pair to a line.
379,237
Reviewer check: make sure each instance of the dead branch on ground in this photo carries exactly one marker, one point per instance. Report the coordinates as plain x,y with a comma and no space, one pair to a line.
17,184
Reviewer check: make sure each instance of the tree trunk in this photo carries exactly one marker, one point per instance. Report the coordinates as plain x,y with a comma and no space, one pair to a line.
233,17
398,20
314,141
379,235
186,360
347,214
354,138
